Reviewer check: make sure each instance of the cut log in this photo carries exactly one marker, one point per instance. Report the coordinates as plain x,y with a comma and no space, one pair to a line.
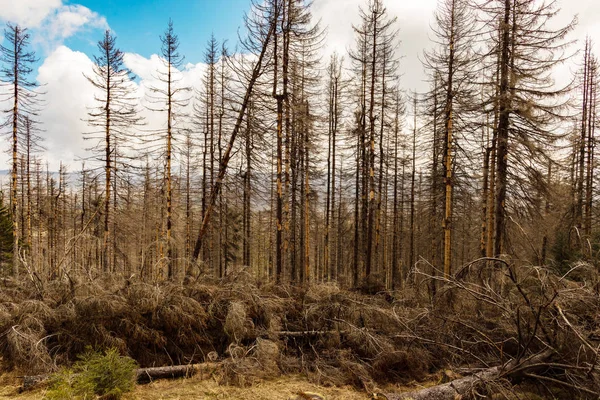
145,375
463,386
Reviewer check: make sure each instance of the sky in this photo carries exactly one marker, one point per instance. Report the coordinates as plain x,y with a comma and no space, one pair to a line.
64,35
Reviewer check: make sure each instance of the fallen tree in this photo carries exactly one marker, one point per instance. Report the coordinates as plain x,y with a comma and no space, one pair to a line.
468,385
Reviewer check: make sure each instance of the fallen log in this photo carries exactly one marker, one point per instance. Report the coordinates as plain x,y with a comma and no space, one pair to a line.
463,386
143,375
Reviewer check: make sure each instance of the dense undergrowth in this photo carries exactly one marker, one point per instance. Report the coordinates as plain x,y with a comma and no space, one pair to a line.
488,314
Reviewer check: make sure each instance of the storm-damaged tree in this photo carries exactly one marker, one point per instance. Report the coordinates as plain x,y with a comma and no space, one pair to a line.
374,64
335,91
21,93
170,97
451,65
111,119
32,145
529,104
585,145
260,24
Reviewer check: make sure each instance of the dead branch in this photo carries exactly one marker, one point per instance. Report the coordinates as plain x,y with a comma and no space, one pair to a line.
464,386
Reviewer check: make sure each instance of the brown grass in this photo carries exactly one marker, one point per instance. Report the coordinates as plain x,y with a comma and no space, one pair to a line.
208,388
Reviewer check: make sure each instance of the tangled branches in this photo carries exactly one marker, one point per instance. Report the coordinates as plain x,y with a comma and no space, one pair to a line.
533,328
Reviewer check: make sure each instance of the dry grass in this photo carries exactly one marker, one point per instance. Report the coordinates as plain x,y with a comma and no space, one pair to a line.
199,388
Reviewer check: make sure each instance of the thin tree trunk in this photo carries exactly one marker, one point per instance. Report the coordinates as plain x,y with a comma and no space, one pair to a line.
503,126
170,272
411,257
371,155
107,172
13,186
396,275
449,184
256,72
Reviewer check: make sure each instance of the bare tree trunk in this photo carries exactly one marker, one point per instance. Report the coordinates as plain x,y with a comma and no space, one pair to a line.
582,139
307,274
279,234
396,275
28,178
411,257
256,72
448,156
503,125
13,185
247,188
357,222
107,172
169,193
371,153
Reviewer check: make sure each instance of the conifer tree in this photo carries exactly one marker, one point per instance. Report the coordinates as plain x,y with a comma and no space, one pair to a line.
22,95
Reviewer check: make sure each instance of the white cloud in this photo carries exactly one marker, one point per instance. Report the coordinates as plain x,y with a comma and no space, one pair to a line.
50,21
67,20
148,72
68,97
68,94
414,19
144,68
29,13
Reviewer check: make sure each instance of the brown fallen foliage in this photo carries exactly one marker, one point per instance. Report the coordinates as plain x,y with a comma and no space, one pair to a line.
490,314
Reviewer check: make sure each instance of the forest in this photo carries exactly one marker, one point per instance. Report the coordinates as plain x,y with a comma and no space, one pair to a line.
294,213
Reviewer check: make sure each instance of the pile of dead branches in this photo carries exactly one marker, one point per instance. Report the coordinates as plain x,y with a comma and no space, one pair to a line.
516,325
495,324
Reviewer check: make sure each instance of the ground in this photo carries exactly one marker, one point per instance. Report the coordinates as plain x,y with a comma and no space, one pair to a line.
197,388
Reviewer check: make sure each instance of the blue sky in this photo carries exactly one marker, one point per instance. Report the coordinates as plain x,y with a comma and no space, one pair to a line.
138,24
65,33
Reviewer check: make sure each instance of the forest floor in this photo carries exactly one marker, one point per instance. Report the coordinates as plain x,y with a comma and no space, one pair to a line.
287,387
272,341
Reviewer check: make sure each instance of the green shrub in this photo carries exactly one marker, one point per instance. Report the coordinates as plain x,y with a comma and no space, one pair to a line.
107,375
62,385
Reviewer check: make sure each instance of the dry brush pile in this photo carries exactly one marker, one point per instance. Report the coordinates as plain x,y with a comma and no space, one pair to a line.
489,315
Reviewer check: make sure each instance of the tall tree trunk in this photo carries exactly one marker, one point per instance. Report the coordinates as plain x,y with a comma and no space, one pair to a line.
247,195
306,197
396,275
28,178
591,140
15,154
371,152
170,271
411,257
447,225
582,139
503,128
107,172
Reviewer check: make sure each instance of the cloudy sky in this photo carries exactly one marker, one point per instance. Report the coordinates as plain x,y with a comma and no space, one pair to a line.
64,35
